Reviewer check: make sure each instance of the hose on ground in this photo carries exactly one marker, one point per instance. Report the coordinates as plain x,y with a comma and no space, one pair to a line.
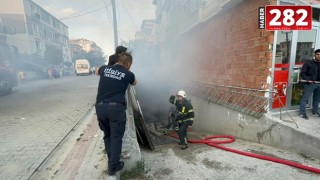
210,140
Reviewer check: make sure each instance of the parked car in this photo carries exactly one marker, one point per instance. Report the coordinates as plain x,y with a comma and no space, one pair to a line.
8,76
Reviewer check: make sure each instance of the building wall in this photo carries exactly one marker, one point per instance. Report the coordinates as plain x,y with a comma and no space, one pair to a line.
35,28
7,7
228,49
265,130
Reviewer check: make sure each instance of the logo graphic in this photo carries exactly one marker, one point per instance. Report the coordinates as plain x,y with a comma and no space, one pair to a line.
285,18
115,74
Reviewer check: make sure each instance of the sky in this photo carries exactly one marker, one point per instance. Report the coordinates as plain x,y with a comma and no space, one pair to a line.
98,25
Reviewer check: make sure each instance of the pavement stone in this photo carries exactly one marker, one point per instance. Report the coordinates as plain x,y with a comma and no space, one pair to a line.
31,128
86,158
81,156
69,168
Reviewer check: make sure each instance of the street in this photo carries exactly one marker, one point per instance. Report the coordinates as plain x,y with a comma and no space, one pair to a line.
36,117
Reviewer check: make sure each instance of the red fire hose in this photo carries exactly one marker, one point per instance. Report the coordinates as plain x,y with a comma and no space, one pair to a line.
229,139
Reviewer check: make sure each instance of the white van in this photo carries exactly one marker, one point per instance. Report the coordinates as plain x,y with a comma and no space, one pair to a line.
82,66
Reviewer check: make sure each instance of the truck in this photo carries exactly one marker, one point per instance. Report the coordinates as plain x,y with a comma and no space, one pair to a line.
8,75
82,67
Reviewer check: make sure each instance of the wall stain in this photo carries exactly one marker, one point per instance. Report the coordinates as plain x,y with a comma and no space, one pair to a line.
261,134
241,127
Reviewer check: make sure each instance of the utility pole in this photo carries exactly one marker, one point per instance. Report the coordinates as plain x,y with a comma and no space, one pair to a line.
115,28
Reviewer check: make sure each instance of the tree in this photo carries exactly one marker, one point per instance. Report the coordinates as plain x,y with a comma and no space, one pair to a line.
78,55
95,58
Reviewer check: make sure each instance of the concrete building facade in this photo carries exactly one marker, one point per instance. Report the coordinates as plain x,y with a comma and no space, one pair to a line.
145,44
34,29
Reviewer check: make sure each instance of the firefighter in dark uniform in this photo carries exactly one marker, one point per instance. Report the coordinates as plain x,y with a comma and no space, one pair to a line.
185,117
172,115
111,107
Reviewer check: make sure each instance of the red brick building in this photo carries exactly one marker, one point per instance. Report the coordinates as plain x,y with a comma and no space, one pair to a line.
224,48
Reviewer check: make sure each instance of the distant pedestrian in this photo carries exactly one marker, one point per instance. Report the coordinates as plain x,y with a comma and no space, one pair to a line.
61,72
114,58
50,73
21,76
111,107
310,73
93,70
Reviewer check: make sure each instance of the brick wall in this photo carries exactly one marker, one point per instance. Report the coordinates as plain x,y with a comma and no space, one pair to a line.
229,49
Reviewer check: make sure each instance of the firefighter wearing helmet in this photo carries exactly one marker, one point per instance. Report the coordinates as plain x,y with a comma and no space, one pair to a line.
184,118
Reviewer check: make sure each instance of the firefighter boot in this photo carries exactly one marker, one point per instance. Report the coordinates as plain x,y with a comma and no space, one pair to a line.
177,130
165,132
184,146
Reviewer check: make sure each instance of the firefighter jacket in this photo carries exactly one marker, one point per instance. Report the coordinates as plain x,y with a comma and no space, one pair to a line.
185,111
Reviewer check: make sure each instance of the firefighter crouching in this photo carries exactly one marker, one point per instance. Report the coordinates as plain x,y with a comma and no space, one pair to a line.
172,115
184,118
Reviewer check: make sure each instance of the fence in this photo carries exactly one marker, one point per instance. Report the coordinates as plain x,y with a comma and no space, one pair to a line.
248,101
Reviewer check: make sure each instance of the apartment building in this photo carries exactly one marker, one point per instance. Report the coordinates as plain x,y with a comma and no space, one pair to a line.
86,45
80,46
145,40
33,29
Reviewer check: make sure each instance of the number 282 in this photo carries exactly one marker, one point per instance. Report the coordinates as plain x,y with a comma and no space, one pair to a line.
288,19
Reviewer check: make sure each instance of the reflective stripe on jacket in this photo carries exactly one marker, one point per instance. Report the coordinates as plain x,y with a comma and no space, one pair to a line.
185,111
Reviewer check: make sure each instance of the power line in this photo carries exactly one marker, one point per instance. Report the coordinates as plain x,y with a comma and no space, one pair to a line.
107,8
84,9
82,14
126,10
109,18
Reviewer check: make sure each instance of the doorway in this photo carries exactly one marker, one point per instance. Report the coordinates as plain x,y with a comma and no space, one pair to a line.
304,48
292,50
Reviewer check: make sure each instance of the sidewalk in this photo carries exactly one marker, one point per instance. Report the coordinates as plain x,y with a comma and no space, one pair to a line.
302,135
82,156
85,159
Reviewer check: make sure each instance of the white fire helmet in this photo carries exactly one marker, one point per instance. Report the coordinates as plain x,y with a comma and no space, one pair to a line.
182,93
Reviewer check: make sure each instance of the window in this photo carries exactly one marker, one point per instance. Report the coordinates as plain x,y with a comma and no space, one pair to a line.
33,9
45,17
284,40
35,29
56,24
316,14
85,66
38,45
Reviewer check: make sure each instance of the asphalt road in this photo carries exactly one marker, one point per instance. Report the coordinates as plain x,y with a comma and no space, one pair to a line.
36,117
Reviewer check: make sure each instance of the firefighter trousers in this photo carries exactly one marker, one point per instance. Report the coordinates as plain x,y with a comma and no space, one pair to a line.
183,126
